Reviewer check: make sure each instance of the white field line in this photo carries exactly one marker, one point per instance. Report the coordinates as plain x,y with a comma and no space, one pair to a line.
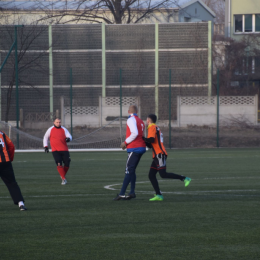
73,160
110,187
145,192
72,150
185,151
51,196
225,157
142,192
228,178
172,159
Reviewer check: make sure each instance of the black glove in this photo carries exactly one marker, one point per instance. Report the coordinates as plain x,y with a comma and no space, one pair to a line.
147,143
46,149
149,140
67,139
145,139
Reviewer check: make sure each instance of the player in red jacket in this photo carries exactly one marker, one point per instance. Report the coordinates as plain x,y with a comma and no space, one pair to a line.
59,136
6,170
136,147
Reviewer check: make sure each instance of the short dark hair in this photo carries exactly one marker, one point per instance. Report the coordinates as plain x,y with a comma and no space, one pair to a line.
153,117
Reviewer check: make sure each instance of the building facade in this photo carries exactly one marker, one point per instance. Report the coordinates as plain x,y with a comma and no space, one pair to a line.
49,12
242,18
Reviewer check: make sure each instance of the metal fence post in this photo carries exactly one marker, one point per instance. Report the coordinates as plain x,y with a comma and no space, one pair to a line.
157,70
170,110
0,93
209,58
62,110
120,81
218,108
17,89
21,118
103,60
51,71
71,97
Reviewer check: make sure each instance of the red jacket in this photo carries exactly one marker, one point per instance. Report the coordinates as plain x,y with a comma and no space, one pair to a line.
134,134
57,138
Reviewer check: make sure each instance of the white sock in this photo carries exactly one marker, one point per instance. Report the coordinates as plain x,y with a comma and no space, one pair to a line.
20,204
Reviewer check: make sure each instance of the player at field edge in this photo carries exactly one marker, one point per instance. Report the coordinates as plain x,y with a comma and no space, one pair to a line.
154,140
6,170
135,146
59,137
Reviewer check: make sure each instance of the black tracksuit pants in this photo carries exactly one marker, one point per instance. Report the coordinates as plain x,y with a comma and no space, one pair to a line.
159,164
7,175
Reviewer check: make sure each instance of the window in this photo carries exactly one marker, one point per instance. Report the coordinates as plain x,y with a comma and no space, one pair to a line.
248,65
257,22
256,65
238,23
247,23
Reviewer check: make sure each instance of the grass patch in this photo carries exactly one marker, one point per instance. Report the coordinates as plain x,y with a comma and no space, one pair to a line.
216,217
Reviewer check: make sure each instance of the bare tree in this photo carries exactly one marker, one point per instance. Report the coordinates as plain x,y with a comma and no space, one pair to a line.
218,6
239,65
28,60
108,11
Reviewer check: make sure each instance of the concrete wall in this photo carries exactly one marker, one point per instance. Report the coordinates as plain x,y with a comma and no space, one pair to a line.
96,116
203,110
82,120
110,108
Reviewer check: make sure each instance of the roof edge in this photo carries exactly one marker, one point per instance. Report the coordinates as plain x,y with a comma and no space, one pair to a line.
202,3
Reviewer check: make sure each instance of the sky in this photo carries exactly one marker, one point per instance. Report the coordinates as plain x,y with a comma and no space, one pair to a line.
53,4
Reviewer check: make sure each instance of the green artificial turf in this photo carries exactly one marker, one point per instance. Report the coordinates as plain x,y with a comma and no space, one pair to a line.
216,217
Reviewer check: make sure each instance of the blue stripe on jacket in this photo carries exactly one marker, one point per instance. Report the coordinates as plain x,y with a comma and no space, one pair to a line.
137,150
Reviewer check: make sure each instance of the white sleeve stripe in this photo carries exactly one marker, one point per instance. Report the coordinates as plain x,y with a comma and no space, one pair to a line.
47,136
67,133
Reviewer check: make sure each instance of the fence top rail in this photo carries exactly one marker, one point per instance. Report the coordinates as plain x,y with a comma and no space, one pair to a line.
169,24
100,24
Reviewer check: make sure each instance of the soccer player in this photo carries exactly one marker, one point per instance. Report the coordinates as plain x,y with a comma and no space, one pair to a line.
6,170
136,147
59,137
154,140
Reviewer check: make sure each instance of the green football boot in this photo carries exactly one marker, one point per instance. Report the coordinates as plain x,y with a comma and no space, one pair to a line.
157,197
187,181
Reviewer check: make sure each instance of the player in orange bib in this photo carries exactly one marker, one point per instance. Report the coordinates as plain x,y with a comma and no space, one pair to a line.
6,170
154,140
